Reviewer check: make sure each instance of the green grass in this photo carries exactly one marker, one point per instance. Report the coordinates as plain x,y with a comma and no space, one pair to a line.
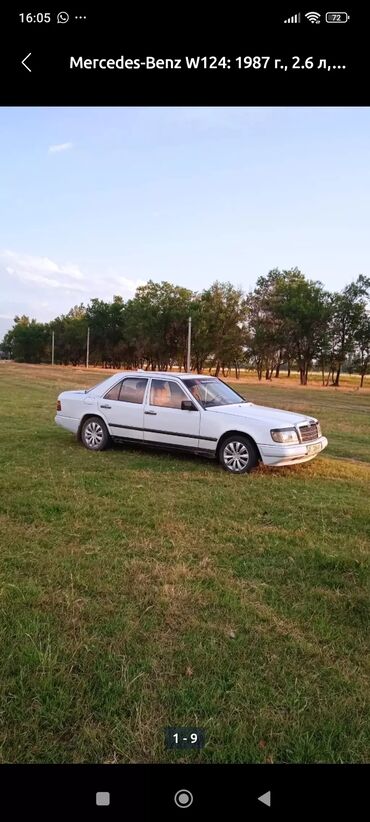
142,589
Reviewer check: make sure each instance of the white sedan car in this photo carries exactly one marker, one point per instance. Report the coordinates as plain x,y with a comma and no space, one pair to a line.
191,413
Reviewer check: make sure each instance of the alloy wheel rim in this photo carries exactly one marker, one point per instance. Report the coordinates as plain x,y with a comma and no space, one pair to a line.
236,456
93,434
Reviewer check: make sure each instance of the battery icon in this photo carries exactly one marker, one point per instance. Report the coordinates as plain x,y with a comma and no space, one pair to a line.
336,17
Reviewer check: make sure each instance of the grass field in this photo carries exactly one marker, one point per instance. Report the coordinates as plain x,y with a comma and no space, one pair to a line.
143,589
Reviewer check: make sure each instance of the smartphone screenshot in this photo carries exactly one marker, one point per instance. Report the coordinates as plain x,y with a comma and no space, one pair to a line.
185,407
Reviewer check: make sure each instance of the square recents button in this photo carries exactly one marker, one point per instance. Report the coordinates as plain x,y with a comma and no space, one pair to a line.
103,798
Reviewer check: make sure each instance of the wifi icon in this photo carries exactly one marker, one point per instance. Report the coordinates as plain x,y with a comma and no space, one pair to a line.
313,16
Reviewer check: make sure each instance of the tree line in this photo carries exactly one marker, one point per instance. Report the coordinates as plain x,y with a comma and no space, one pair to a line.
287,321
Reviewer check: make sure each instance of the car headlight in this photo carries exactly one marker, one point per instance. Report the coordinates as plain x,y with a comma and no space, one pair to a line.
286,435
319,432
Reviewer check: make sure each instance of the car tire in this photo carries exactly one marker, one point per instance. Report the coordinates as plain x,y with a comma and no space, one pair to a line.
238,454
94,434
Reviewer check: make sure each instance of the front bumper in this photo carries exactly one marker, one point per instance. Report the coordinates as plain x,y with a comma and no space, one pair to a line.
279,455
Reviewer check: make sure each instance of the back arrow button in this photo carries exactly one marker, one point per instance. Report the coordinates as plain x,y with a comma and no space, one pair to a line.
24,61
265,798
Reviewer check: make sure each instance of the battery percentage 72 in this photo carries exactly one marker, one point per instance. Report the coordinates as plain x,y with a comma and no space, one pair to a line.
336,17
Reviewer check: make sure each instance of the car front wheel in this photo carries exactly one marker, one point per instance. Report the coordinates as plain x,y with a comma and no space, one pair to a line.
94,434
238,454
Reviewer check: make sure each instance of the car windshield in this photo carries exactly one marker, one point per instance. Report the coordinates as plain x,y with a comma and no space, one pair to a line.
210,393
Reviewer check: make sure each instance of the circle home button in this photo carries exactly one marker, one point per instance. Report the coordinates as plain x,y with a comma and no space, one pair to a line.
183,798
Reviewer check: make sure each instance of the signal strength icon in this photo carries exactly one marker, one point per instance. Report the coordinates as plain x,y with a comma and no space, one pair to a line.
296,18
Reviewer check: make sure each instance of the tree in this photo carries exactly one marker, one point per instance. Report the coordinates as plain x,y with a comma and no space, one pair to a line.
201,342
219,326
287,317
26,341
70,332
156,322
266,338
347,312
303,306
105,321
361,361
7,344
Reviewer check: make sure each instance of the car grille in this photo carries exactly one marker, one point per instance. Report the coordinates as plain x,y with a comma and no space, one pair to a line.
307,433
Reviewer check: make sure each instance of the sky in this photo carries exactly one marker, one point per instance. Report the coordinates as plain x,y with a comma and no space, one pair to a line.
96,201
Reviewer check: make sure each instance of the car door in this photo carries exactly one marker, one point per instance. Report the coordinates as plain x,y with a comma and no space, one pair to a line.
165,421
123,409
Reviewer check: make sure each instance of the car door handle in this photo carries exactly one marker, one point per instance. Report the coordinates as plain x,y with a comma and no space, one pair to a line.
153,413
105,406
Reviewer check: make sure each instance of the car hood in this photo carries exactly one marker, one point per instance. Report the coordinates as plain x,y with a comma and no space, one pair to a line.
276,416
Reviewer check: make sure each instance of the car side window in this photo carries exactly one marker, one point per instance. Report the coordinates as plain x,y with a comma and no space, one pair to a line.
167,394
113,393
133,390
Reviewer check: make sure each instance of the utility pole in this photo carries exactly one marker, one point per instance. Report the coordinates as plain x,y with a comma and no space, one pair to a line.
189,346
52,348
87,347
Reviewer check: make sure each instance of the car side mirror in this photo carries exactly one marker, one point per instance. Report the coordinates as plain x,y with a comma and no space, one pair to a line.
187,405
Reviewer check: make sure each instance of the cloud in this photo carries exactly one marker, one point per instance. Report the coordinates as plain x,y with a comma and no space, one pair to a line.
59,147
129,286
41,287
28,268
36,270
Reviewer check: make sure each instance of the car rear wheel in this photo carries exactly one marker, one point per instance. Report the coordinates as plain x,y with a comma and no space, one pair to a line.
94,434
238,454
